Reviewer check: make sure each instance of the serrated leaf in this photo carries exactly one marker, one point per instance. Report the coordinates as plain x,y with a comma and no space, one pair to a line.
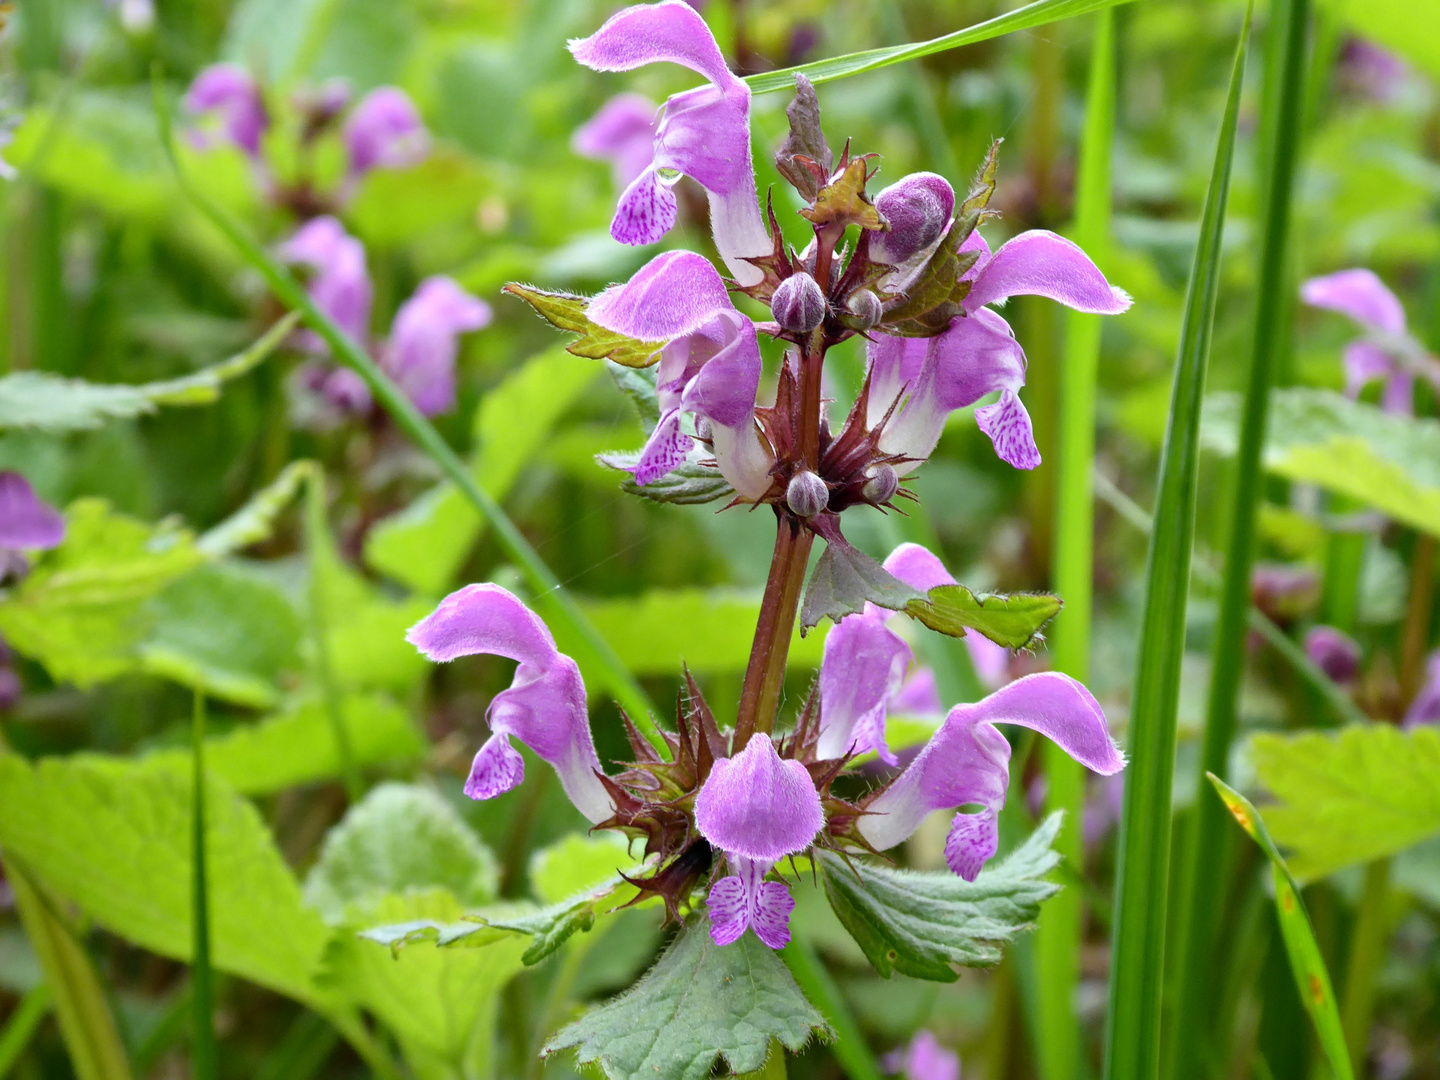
552,926
255,521
689,484
806,139
1350,797
84,611
843,201
297,745
844,578
114,837
927,924
1014,621
46,402
1352,448
398,839
699,1002
566,312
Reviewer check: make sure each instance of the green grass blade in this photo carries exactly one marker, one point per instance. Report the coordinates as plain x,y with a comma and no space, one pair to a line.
593,652
1027,17
1132,1030
1312,979
203,1054
1200,884
1057,942
19,1029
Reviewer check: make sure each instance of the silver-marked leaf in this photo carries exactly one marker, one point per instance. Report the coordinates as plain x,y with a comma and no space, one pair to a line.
1014,621
40,400
927,924
689,484
844,578
698,1003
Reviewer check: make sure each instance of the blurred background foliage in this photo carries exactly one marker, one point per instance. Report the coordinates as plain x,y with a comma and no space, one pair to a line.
108,275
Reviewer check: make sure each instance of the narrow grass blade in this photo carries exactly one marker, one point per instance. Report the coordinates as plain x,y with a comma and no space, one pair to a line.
1057,942
1132,1030
19,1029
1027,17
592,652
203,1055
1200,883
86,1022
849,1047
318,544
1311,978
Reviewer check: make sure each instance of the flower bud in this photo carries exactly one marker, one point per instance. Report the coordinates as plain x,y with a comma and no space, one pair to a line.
806,494
918,208
798,304
864,308
881,483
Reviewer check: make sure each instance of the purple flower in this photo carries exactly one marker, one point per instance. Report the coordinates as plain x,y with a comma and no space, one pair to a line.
710,366
1425,709
978,354
704,133
757,808
340,286
26,523
1371,71
622,133
227,93
923,1059
544,707
385,131
1363,297
424,341
1334,652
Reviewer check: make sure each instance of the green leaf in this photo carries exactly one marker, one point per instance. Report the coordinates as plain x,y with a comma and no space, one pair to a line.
255,521
844,578
425,545
40,400
83,612
927,924
576,863
297,745
114,838
638,384
719,627
1307,964
689,484
1137,975
1351,448
1350,797
698,1003
1031,15
400,838
1014,621
566,312
441,1006
225,630
1412,30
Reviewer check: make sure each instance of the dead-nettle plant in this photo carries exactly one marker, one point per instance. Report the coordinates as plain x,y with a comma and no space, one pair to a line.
723,807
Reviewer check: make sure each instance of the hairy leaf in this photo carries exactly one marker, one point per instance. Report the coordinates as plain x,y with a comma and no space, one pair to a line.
38,399
843,202
805,139
698,1003
638,384
297,745
844,578
400,838
566,312
1362,793
577,862
552,926
83,612
114,838
1014,621
691,484
1354,449
926,924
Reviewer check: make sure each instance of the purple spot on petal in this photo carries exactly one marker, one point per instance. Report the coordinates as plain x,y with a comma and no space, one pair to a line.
664,450
770,918
973,839
729,915
646,211
497,768
1008,425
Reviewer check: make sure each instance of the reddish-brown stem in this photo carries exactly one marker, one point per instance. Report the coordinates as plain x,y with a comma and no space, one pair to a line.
766,672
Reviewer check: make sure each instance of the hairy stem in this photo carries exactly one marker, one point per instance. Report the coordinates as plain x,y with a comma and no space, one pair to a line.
766,671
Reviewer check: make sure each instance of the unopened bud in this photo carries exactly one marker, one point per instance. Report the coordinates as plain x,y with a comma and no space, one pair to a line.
798,304
917,208
807,494
865,309
880,485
